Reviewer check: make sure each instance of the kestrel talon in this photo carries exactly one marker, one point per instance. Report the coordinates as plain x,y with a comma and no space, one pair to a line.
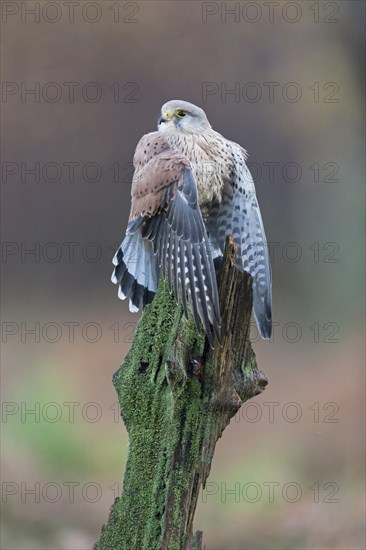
191,189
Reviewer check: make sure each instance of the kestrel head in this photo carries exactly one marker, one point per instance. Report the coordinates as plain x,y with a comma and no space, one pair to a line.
181,116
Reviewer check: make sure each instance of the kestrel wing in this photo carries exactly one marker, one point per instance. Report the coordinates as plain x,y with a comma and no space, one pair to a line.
239,216
165,207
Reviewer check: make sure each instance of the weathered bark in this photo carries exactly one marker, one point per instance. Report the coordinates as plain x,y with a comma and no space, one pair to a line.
176,397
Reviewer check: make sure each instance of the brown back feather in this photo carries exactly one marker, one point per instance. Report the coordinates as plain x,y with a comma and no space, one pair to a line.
157,169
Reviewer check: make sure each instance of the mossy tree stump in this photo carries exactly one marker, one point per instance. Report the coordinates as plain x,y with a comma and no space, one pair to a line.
176,396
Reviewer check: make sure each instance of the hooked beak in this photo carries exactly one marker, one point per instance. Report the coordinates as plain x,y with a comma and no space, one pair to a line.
165,117
162,119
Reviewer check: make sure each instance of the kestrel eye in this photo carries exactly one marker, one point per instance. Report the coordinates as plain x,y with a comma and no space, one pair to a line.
181,114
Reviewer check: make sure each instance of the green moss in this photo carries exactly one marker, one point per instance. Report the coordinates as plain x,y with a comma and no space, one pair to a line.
192,337
153,414
170,419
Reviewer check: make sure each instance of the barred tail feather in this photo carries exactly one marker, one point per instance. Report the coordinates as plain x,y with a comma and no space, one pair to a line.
136,271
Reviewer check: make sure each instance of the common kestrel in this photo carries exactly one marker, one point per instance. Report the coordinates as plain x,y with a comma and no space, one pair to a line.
191,189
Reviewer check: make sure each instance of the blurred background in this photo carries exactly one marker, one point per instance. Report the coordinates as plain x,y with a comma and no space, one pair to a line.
81,83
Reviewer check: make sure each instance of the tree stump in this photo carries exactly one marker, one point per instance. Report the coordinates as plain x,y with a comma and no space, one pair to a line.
176,396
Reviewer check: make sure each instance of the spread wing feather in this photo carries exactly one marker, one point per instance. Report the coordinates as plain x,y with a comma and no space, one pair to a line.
167,231
183,251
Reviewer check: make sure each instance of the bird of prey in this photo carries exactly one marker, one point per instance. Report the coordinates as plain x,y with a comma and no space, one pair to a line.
191,189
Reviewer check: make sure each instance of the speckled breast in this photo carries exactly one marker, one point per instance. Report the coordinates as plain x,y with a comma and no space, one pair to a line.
203,154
